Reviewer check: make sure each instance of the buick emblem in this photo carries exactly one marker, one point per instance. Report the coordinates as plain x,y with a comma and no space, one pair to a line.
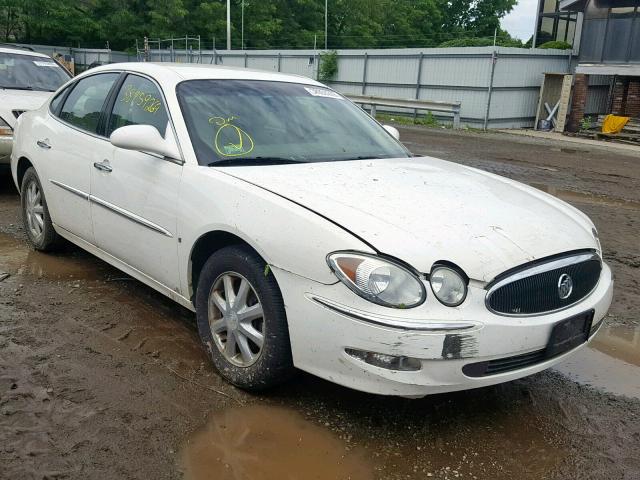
565,286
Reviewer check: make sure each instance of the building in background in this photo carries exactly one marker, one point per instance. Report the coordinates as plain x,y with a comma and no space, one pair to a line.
609,48
554,24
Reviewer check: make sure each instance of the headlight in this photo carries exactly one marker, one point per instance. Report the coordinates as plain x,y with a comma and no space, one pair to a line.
448,285
378,280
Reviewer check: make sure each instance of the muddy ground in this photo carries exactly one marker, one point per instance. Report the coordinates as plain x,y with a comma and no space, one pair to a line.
101,377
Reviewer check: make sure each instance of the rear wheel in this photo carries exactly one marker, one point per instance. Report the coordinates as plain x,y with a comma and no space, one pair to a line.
242,320
35,214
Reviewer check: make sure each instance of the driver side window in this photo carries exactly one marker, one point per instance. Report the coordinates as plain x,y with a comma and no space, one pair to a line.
139,102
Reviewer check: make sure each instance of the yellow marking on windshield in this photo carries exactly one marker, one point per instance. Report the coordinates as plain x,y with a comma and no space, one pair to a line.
231,148
139,98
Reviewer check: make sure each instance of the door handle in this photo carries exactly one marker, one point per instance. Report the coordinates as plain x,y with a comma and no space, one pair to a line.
44,144
103,166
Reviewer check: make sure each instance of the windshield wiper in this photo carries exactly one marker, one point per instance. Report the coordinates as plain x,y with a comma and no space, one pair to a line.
16,87
364,157
234,162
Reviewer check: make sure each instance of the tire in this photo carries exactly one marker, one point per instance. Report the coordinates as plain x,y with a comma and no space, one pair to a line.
221,332
35,214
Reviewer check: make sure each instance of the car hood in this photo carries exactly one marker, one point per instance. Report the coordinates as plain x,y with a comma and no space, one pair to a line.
20,100
424,210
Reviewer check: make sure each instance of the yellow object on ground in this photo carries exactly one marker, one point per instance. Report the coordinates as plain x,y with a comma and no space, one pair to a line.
614,124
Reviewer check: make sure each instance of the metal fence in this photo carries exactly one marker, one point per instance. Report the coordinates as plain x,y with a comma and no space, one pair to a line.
497,87
86,57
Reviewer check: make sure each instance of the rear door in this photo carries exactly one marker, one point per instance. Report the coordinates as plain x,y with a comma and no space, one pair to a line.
135,194
70,144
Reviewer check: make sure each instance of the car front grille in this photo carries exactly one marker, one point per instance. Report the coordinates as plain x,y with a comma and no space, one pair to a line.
545,286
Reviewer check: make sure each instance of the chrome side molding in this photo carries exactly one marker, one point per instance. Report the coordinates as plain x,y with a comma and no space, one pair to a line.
115,209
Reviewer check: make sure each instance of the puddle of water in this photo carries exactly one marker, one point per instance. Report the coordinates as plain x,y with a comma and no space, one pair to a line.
611,362
583,197
265,442
17,258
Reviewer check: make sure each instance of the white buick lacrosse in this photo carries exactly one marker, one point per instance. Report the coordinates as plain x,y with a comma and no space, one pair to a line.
304,235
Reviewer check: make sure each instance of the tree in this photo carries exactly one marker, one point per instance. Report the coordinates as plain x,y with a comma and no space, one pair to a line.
268,23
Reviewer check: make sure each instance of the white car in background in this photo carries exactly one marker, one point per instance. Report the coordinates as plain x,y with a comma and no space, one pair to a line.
27,80
303,234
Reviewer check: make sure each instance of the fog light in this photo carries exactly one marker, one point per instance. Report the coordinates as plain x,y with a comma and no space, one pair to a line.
390,362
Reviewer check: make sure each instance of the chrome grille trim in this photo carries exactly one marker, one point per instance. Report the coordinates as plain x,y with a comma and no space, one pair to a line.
539,268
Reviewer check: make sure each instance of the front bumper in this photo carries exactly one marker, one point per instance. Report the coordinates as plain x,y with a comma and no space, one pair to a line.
6,145
443,339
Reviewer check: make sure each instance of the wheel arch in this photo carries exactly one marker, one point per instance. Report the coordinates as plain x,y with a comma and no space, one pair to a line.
21,168
205,246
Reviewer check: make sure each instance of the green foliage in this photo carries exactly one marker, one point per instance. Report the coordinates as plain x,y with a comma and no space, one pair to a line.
585,123
482,42
268,23
328,66
556,44
429,120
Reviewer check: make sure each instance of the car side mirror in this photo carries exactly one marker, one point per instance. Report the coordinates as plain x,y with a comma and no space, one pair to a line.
145,138
393,131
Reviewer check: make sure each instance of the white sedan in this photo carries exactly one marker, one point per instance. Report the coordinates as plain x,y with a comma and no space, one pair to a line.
304,235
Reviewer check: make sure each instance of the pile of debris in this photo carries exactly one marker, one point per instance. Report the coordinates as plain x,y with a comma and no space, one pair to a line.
630,133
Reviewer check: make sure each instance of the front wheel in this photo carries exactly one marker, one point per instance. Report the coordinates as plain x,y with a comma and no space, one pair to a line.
35,214
242,320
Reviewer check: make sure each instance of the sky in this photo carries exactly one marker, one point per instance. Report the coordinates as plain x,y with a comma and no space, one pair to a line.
520,22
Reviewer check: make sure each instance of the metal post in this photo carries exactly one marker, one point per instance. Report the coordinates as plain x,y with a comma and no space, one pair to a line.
373,110
494,60
242,25
199,50
173,53
420,60
364,73
279,60
228,24
456,118
326,23
187,56
246,55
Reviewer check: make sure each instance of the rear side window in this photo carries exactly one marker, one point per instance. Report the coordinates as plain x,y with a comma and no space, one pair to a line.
84,104
55,103
139,102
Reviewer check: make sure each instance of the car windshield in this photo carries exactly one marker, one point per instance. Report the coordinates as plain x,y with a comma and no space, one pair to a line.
28,72
251,122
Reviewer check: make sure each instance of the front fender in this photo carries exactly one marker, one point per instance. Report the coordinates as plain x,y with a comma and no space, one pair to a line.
285,234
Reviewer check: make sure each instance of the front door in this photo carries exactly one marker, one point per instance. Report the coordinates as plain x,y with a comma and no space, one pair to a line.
135,194
70,145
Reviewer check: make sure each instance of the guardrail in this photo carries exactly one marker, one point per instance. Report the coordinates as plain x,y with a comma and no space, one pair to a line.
430,105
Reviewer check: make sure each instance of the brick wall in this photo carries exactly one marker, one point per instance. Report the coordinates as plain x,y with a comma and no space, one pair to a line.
633,98
619,101
578,102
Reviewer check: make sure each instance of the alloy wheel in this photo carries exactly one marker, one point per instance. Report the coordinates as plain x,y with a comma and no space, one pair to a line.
236,319
34,210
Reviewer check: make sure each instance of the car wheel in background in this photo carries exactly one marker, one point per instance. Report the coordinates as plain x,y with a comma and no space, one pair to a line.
242,320
35,214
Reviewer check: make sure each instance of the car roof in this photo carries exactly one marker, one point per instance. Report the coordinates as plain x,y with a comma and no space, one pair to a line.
177,72
21,51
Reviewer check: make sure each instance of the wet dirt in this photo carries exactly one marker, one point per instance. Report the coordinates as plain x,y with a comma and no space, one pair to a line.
102,377
610,363
266,442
